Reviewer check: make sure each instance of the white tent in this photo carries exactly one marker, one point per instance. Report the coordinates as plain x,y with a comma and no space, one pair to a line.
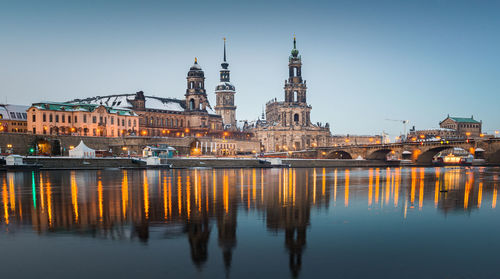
82,151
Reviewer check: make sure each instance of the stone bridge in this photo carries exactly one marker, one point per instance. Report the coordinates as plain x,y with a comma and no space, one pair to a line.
419,152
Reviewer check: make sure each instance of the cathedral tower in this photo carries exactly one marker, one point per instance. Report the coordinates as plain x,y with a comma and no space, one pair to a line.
297,112
225,96
295,87
196,96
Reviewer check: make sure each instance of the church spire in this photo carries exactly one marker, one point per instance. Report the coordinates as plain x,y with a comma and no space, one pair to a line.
224,63
295,51
224,49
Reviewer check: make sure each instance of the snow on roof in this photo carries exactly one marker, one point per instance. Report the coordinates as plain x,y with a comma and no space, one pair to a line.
120,101
210,110
163,103
123,101
13,112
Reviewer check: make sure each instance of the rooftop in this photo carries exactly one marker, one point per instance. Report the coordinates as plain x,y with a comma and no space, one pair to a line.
463,119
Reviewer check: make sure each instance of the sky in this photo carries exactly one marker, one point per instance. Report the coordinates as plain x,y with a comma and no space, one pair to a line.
364,61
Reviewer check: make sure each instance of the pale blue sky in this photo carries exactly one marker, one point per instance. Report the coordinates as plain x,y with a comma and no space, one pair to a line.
364,61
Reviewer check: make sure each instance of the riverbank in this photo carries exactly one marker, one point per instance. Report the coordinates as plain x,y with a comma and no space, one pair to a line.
53,163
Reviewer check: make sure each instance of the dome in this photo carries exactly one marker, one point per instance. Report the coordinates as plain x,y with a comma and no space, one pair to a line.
224,86
295,52
195,70
195,67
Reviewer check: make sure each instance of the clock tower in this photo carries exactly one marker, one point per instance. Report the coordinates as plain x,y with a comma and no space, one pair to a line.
224,92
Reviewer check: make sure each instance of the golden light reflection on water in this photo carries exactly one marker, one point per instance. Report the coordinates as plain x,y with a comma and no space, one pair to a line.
74,196
5,201
100,199
370,186
346,197
377,185
12,193
155,195
125,193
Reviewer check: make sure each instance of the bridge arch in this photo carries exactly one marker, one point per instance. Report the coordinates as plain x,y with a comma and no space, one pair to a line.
380,154
339,154
426,156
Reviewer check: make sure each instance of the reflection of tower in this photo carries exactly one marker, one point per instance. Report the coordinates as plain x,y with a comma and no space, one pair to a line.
295,240
226,226
291,214
226,218
198,231
225,96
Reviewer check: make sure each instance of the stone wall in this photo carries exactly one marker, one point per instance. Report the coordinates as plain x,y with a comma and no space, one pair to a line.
21,143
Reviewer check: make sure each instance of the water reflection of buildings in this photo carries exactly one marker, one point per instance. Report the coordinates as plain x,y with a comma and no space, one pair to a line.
125,204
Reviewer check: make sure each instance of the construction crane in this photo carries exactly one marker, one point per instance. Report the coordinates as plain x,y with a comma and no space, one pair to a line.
404,126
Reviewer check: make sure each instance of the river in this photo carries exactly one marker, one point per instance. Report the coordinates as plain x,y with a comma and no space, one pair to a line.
251,223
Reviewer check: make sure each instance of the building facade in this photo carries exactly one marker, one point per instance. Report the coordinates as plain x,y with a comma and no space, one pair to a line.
13,119
287,124
81,119
467,127
224,93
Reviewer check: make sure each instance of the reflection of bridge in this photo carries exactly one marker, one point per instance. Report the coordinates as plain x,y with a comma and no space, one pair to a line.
421,152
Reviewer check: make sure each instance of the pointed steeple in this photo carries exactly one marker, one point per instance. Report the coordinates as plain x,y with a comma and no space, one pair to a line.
295,51
224,49
224,62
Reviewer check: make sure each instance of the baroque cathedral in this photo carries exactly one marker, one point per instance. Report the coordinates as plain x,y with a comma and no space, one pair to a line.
287,124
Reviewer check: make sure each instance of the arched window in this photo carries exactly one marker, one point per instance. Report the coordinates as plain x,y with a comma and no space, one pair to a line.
296,117
191,104
191,85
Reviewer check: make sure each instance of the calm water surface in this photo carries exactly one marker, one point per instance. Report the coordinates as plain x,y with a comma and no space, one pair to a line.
248,223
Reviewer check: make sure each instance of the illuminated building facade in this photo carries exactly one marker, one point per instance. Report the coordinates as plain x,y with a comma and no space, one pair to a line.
81,120
467,127
13,119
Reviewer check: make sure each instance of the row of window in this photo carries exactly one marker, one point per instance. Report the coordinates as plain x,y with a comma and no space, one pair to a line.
95,132
461,126
19,124
102,120
165,122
